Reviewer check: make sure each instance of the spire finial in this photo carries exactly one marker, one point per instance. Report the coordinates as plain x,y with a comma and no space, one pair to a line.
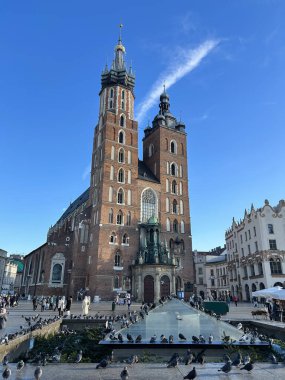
164,87
120,32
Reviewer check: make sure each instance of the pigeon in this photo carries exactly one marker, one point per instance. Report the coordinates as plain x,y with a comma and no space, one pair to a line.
138,339
248,367
78,357
163,339
5,360
173,363
210,339
181,337
273,359
188,357
239,326
201,339
153,339
120,338
6,373
125,374
173,357
170,339
246,359
200,357
20,365
191,375
130,338
195,339
38,373
227,367
132,359
103,363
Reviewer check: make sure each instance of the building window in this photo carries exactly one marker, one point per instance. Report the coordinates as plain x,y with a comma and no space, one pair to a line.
256,246
245,271
150,150
167,225
111,215
116,282
128,218
113,238
121,176
182,227
120,218
122,121
174,207
275,266
173,147
111,98
117,259
241,238
120,196
175,226
249,235
242,252
254,231
173,169
270,229
125,239
121,155
123,100
174,187
272,244
148,205
212,282
110,194
181,208
252,271
121,138
248,247
260,269
245,236
200,270
56,274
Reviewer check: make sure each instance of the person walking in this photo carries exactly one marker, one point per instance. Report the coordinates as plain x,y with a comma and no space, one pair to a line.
235,299
85,305
60,306
68,305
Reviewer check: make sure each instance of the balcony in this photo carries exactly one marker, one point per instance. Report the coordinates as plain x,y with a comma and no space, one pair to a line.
256,276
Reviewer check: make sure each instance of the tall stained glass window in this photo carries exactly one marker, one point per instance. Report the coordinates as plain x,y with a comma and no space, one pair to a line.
149,206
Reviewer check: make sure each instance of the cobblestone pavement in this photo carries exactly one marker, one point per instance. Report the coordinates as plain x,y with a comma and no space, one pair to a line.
149,371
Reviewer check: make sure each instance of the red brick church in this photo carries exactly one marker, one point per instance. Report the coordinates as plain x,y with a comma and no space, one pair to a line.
130,230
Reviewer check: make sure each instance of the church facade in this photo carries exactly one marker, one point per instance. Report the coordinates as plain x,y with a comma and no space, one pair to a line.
130,230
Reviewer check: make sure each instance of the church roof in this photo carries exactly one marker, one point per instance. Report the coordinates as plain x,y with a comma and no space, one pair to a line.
145,173
74,205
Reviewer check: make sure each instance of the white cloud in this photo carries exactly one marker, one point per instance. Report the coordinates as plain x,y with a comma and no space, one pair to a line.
86,172
187,62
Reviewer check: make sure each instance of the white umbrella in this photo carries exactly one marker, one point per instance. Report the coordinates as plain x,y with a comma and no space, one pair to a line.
269,292
279,295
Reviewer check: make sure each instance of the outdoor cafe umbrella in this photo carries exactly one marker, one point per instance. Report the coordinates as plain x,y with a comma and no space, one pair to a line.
269,292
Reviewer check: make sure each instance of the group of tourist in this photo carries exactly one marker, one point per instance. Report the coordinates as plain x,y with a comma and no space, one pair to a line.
53,303
275,309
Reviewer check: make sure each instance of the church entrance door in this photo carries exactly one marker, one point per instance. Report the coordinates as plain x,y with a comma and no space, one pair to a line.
148,289
164,286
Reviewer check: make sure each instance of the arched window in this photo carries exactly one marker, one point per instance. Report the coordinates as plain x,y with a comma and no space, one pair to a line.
121,155
182,227
173,169
121,137
181,207
116,282
123,100
111,173
56,273
252,270
275,266
175,226
113,238
120,218
174,207
120,196
117,259
174,187
125,239
167,204
173,147
167,224
150,150
121,176
171,245
111,215
110,194
128,218
122,121
111,98
148,205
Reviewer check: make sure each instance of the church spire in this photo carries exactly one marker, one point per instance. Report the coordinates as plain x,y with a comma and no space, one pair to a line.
119,52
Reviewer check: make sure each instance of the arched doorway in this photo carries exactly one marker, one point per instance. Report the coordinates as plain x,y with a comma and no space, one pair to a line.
247,295
261,286
253,287
164,286
277,284
148,289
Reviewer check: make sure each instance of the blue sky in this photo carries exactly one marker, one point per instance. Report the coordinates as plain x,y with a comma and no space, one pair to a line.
51,57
